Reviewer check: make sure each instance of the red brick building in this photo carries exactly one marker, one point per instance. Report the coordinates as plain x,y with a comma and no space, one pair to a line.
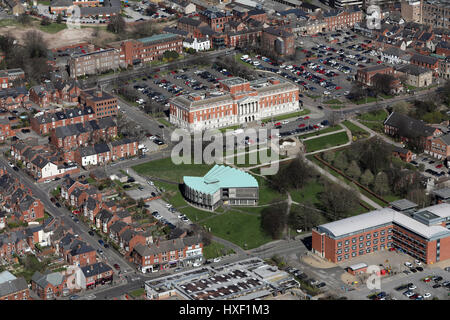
216,20
103,104
424,235
148,49
5,129
428,62
124,148
342,19
14,288
96,274
185,251
278,41
13,98
364,75
7,77
50,285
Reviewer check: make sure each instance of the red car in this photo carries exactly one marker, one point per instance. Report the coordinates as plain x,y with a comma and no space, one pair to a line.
337,88
116,266
76,211
277,124
301,125
439,166
379,62
315,126
427,280
306,118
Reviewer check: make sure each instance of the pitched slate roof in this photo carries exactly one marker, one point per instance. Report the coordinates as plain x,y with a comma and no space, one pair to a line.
409,127
424,59
43,280
12,286
95,269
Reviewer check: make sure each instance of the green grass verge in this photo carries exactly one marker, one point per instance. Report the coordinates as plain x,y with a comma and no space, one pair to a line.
375,126
137,293
53,28
239,228
166,169
333,101
214,250
326,142
364,100
164,122
287,116
307,193
319,132
357,131
379,115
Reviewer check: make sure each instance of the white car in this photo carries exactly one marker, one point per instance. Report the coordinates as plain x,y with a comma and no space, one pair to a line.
417,262
168,205
408,264
326,92
412,287
216,260
285,122
427,295
409,293
196,264
11,164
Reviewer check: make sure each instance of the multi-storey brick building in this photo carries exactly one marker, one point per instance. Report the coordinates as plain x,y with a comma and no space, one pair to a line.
239,101
124,148
428,62
94,62
12,288
342,19
13,98
365,75
423,234
436,14
439,147
148,49
411,11
96,274
160,255
279,41
44,121
216,20
103,103
7,77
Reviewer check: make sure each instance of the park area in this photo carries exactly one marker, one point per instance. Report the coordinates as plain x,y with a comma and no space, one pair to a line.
326,142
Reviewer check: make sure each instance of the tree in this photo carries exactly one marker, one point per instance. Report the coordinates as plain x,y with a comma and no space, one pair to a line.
401,107
341,161
353,170
328,156
294,175
153,108
45,21
59,19
367,178
170,55
337,201
383,83
381,184
419,197
357,92
273,219
24,19
444,93
116,24
303,217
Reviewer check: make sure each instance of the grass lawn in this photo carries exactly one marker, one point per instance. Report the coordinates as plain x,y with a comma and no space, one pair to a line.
266,193
307,193
195,214
166,169
375,126
364,100
214,250
137,293
53,28
231,128
239,228
8,22
287,116
336,107
326,130
333,101
379,115
326,142
357,131
253,159
164,122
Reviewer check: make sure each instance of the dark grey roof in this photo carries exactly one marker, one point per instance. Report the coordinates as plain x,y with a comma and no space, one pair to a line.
109,7
106,122
176,31
61,3
409,127
101,148
118,226
40,162
278,32
403,204
26,202
12,286
122,141
95,269
189,21
80,247
424,59
413,69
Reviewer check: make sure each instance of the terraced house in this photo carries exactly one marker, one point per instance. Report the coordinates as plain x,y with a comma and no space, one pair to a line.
187,251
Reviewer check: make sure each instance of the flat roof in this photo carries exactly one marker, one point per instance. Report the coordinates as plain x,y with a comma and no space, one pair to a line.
386,216
443,193
358,266
158,37
403,204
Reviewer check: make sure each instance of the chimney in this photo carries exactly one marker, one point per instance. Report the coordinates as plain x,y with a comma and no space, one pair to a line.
98,93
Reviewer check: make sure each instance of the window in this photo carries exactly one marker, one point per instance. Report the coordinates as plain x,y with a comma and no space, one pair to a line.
346,256
368,236
361,238
339,251
346,249
382,240
339,258
361,252
375,241
375,234
353,254
354,247
339,244
368,243
367,250
382,232
354,240
346,241
361,245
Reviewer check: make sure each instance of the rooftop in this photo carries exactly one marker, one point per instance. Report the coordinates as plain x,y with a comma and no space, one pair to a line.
221,177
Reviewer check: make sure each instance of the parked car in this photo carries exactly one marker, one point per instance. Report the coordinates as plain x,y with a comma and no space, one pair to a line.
116,266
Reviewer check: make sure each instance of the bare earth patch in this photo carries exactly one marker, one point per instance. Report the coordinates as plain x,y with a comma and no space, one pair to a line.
318,263
64,37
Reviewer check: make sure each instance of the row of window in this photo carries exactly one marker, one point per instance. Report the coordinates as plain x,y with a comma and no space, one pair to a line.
368,236
362,252
361,245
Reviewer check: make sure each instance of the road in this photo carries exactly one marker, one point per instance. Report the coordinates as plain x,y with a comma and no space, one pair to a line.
110,255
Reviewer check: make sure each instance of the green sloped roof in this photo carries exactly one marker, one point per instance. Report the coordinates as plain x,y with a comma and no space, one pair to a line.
221,177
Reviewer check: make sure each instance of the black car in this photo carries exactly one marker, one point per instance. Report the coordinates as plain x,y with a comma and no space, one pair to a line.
106,245
320,107
321,285
413,270
58,205
419,268
438,279
437,285
91,233
15,168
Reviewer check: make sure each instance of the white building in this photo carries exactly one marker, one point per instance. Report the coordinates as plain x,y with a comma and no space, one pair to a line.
198,44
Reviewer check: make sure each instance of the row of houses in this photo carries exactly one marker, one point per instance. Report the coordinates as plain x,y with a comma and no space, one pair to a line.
17,201
137,245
